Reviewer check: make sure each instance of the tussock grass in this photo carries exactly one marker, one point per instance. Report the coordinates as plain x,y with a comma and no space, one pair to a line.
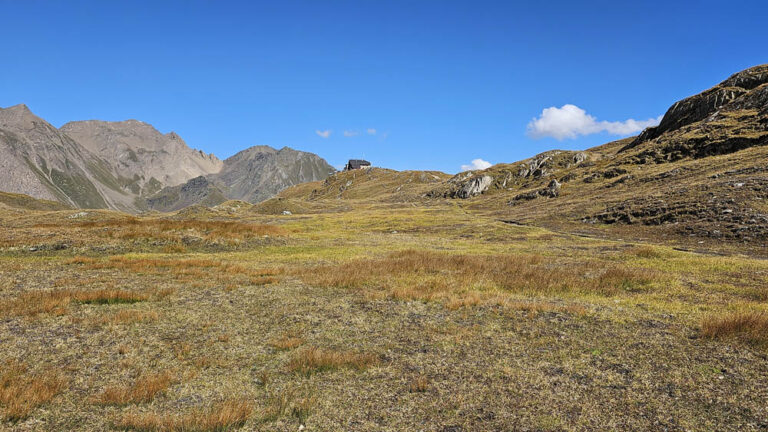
21,391
313,360
128,316
286,342
185,269
56,302
748,326
223,416
108,296
144,389
462,280
419,384
646,252
167,229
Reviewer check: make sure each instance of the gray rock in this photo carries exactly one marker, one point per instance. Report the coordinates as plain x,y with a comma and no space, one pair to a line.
553,189
475,186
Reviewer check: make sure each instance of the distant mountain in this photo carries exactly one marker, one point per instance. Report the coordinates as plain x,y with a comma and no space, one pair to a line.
130,166
37,159
143,158
253,175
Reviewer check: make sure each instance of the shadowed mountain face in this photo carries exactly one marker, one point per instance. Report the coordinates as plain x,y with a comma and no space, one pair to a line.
253,175
130,166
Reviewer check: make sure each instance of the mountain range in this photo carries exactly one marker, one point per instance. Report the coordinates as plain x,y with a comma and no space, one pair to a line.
130,166
699,176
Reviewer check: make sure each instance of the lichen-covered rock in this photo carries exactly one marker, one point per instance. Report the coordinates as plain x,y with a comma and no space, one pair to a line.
475,186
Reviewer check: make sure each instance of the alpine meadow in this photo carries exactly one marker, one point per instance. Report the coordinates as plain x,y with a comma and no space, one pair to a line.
615,280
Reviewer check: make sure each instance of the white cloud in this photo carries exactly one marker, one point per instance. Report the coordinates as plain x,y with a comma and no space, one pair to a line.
371,131
477,164
351,133
570,121
324,133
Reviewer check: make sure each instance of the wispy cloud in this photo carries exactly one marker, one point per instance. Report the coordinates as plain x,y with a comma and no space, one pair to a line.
371,131
477,164
570,121
351,133
323,133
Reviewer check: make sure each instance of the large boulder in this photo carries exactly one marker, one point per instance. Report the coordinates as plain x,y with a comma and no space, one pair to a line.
475,186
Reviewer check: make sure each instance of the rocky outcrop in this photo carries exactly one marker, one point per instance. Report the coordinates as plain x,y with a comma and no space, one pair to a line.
717,121
553,189
474,187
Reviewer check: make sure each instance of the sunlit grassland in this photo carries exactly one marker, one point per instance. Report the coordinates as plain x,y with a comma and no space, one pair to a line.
375,319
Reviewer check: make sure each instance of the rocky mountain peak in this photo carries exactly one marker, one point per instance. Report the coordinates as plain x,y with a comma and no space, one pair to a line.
18,116
707,104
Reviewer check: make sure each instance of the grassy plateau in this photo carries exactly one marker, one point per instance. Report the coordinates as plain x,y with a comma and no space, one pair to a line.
372,317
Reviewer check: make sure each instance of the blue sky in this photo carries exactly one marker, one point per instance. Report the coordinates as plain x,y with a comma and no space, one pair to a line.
442,83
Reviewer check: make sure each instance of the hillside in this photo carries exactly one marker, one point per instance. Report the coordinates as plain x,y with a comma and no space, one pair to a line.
698,179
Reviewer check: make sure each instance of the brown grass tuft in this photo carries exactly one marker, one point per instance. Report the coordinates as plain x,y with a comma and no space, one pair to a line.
286,342
220,417
313,360
56,302
434,276
21,391
419,384
144,389
128,316
748,326
108,296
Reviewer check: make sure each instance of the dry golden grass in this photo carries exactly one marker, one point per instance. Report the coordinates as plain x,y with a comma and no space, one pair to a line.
175,230
56,302
128,316
286,342
645,252
748,326
462,280
186,269
419,384
108,296
144,389
313,360
21,391
37,302
220,417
